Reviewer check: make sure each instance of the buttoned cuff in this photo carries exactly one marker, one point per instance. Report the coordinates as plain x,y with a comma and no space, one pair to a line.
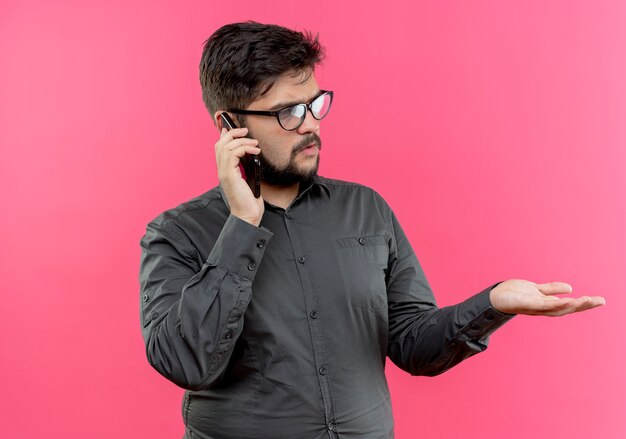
240,247
486,319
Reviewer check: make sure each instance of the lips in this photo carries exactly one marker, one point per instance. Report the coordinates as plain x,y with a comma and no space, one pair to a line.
309,149
310,145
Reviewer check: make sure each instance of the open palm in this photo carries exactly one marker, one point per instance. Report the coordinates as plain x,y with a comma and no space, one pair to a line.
525,297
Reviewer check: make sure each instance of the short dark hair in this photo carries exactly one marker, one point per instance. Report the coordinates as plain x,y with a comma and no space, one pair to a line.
241,61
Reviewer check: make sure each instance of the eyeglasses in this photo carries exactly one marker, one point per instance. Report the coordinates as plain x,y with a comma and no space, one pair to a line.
291,117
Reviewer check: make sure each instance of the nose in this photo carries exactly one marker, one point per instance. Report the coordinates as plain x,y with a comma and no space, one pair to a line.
310,124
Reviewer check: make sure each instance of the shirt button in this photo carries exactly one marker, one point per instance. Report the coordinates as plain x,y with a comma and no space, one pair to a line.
331,426
145,298
251,266
322,370
288,216
474,326
314,314
362,241
488,316
302,259
228,334
260,243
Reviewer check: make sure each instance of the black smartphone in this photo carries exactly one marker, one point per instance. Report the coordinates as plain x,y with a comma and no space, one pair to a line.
250,164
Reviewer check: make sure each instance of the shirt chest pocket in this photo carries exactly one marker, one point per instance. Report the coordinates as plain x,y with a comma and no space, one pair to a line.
362,262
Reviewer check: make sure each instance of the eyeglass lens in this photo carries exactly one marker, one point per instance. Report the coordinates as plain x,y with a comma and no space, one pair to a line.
292,117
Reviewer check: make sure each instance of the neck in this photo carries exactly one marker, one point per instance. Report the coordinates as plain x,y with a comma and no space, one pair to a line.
280,196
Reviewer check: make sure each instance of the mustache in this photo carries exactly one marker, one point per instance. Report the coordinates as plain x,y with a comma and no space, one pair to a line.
311,139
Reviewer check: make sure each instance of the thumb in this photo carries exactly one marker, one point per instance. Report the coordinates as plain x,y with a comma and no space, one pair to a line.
555,288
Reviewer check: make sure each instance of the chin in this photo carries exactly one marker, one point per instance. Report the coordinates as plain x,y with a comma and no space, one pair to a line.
292,174
309,172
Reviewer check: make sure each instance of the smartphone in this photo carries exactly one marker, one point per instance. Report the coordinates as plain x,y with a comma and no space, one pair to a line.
249,164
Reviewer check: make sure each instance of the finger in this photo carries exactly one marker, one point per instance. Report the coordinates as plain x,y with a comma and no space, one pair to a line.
241,150
232,144
586,302
232,159
569,306
234,133
226,149
227,142
555,288
549,305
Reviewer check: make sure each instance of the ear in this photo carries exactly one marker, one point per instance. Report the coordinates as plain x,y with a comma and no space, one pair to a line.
218,120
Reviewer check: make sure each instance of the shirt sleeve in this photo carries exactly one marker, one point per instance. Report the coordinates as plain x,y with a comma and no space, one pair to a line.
425,339
192,313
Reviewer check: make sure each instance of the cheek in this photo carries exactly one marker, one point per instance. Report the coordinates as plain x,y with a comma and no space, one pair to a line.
279,154
272,153
275,143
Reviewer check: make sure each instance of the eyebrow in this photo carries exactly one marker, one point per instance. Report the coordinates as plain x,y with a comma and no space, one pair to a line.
282,105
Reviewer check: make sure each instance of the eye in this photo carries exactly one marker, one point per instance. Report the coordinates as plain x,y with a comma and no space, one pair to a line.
293,111
321,105
291,117
317,104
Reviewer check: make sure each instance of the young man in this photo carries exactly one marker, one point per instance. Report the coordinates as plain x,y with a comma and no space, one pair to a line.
277,313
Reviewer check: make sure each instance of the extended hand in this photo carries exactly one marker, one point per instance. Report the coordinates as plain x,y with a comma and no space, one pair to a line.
229,149
524,297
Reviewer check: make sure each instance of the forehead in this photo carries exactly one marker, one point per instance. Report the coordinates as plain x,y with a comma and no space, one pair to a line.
290,88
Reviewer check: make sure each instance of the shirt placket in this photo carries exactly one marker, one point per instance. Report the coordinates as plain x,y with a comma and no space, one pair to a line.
314,320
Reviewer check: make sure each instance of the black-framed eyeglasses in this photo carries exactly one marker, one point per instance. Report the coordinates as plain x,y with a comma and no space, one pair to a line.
291,117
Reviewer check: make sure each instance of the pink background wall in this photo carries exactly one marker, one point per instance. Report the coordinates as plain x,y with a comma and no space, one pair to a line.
496,130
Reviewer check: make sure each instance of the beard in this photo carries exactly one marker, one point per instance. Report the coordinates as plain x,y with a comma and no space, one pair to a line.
291,174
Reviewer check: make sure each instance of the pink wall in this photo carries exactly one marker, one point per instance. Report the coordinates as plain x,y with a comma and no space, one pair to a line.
496,130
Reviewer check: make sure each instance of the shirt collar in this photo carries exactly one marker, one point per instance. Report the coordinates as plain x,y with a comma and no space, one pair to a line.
319,183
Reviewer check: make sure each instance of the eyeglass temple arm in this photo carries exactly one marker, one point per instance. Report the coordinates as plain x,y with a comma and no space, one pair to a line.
255,112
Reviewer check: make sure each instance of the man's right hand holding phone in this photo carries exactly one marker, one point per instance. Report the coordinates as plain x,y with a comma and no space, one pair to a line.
229,150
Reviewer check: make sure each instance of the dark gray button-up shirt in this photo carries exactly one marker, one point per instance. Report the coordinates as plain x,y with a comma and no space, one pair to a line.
282,331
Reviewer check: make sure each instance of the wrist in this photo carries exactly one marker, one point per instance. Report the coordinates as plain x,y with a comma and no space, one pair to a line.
250,219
